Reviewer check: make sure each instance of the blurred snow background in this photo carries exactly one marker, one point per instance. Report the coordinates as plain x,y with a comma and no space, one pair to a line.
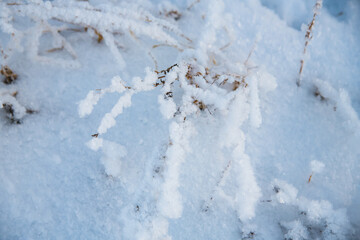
293,151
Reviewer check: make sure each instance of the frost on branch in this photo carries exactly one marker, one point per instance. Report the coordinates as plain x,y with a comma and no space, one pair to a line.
104,21
202,82
340,102
317,219
108,121
187,90
111,159
13,109
295,230
308,37
9,104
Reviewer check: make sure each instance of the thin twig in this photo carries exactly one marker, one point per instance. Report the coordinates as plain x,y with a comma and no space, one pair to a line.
167,45
155,61
193,4
308,37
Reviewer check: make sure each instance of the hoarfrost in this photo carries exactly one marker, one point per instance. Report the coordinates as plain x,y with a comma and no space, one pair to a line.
296,230
317,166
111,159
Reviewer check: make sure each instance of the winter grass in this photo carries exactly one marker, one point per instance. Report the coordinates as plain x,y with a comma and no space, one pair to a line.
204,82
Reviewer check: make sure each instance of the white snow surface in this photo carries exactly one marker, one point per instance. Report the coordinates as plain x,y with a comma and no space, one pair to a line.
221,144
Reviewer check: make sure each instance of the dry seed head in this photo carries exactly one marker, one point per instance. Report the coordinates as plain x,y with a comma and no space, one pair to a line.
9,75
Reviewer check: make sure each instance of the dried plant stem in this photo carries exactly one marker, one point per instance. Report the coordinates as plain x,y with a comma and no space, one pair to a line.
246,63
155,61
229,43
309,180
308,37
192,4
168,45
219,183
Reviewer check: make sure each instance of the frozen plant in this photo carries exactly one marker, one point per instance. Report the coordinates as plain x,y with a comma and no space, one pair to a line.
296,230
187,90
340,102
308,37
8,102
316,167
202,82
316,218
12,108
8,75
105,22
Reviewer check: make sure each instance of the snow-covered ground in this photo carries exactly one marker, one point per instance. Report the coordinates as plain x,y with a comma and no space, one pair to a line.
99,143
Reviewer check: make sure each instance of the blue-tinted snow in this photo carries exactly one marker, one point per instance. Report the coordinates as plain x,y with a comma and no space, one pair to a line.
54,187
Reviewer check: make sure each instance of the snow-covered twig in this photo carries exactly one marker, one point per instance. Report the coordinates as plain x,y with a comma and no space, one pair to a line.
106,22
197,85
308,37
317,218
13,109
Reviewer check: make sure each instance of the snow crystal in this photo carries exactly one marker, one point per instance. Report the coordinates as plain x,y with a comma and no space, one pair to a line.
158,229
48,5
316,210
317,166
248,192
56,159
170,202
86,106
285,193
255,113
296,230
167,107
207,85
95,143
237,113
334,223
117,85
215,21
148,82
6,98
341,103
267,82
108,120
110,42
111,158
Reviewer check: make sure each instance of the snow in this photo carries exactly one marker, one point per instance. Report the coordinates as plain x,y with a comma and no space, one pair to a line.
296,230
108,120
316,166
8,100
111,159
340,101
180,120
255,114
285,193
